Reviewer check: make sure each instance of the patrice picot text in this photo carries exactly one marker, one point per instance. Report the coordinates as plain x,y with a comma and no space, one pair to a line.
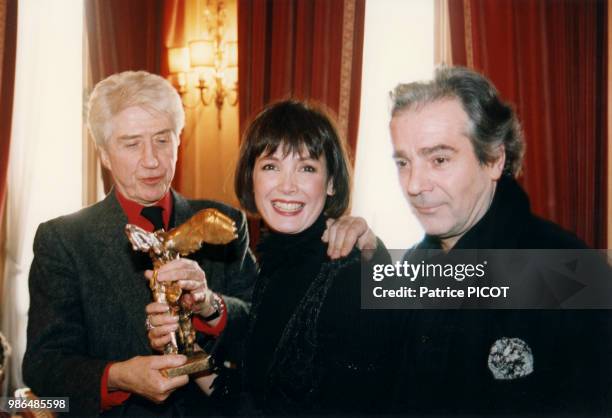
415,271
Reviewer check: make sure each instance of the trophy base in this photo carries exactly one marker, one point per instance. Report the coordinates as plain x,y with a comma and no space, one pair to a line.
197,362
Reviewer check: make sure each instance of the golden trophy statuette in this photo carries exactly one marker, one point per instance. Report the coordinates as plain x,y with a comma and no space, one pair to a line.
207,226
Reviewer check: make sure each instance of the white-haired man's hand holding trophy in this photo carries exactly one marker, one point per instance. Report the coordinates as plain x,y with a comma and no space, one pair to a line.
207,226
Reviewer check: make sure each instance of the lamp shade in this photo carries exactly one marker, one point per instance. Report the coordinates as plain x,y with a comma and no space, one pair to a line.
201,53
178,60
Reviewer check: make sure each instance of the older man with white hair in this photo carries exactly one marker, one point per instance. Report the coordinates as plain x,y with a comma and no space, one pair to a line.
86,331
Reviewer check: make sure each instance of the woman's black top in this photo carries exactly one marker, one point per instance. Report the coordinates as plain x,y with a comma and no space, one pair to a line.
311,348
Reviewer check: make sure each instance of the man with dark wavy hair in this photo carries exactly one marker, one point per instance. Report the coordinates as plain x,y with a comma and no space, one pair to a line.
458,148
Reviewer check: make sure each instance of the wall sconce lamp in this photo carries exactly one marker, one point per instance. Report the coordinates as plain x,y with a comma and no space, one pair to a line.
207,65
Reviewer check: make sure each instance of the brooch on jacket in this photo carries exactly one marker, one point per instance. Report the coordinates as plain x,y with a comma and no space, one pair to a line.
510,358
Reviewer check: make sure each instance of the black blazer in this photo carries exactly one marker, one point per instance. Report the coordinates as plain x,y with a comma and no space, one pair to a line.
88,295
445,363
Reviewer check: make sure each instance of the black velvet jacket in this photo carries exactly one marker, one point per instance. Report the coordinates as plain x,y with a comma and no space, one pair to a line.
509,224
445,355
311,349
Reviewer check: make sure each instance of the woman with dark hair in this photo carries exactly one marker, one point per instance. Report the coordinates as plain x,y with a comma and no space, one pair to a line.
310,346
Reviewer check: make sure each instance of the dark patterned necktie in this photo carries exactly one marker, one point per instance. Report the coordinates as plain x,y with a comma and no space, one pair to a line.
153,215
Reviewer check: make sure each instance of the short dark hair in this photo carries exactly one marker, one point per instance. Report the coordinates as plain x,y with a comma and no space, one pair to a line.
492,121
297,127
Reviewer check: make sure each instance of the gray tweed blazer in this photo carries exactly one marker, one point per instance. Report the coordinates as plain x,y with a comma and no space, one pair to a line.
88,294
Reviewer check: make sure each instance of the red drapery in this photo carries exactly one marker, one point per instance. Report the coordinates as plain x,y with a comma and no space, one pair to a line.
303,49
123,35
8,47
549,59
173,35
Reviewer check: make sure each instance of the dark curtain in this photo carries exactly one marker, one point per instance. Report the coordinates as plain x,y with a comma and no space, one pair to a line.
8,47
549,58
123,35
302,49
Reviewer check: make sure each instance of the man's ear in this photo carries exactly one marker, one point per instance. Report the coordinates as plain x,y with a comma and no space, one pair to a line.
330,187
497,166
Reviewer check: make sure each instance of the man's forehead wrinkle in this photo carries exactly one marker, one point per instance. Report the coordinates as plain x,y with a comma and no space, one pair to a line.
138,135
129,136
134,129
434,127
436,148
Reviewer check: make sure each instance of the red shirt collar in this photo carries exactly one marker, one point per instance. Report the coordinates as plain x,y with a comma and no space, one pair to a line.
132,210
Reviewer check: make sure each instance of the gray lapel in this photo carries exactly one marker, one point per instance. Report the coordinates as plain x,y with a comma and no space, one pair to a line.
182,209
123,269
